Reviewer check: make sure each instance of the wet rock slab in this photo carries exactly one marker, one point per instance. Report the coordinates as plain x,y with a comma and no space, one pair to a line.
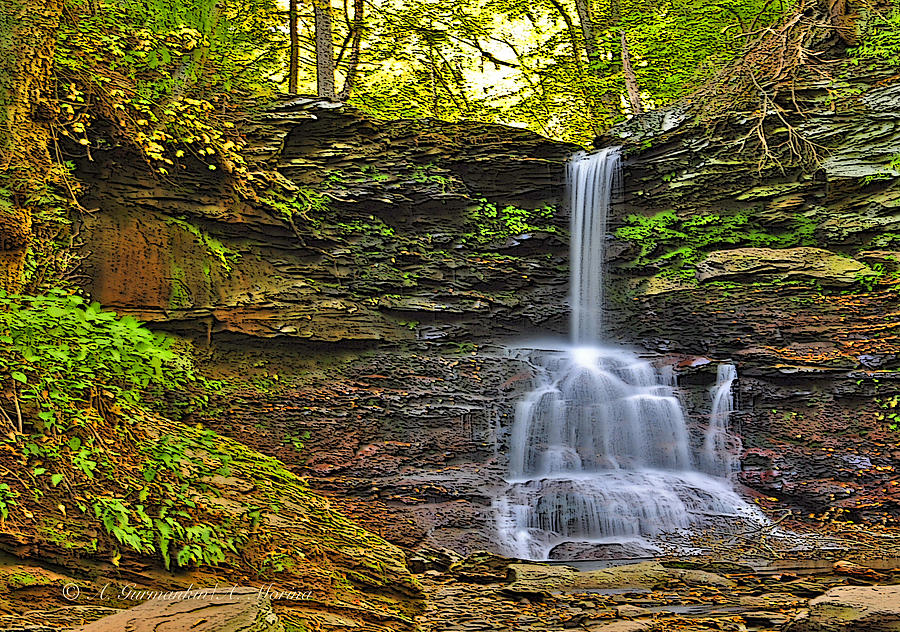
851,609
537,577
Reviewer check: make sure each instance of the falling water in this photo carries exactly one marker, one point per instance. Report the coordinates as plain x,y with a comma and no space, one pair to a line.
599,451
593,179
720,449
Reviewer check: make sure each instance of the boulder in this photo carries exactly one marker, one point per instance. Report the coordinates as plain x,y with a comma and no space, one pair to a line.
541,577
852,609
591,551
619,626
222,610
816,264
628,611
482,568
852,569
433,560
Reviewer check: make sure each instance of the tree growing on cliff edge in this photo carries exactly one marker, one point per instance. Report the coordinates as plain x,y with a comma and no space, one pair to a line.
324,50
28,30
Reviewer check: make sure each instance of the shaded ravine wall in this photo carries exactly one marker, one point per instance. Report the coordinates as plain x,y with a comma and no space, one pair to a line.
377,325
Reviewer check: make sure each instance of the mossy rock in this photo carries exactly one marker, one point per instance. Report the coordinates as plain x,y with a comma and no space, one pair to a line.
747,264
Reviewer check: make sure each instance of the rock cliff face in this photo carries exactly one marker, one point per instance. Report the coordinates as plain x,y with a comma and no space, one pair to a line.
358,310
789,272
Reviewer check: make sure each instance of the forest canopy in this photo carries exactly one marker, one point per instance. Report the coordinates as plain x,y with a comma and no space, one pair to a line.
559,67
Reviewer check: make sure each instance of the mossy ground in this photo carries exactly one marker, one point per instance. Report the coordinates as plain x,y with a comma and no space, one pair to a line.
284,534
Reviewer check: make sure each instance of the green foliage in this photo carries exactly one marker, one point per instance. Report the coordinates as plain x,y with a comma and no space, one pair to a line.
372,227
428,174
891,171
519,61
160,72
297,440
162,518
666,239
881,38
50,259
60,353
7,500
891,414
72,368
371,172
493,223
869,281
304,202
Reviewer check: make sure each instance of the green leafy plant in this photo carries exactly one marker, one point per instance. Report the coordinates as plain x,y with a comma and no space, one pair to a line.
869,281
493,223
75,370
7,500
297,440
891,413
428,174
304,202
372,227
63,355
371,172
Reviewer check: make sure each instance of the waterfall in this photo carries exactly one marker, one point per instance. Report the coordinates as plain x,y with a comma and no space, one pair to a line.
719,455
599,451
592,179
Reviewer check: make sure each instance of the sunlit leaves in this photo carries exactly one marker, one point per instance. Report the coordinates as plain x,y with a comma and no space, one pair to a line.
157,70
517,61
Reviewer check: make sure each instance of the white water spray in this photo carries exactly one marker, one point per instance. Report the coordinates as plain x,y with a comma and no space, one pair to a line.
599,451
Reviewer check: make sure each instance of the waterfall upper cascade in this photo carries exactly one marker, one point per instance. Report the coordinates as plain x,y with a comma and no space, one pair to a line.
599,451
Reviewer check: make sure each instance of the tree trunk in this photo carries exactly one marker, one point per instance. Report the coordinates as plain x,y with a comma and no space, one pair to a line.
28,30
611,99
843,21
572,31
324,50
631,84
573,35
294,64
587,29
356,44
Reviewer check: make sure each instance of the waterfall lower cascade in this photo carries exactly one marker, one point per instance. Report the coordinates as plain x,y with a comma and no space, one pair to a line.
720,449
599,451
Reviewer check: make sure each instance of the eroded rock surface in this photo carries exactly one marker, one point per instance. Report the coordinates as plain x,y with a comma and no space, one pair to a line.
816,264
237,610
538,577
852,608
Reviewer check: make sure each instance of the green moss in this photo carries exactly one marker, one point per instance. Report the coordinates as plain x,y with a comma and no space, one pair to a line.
23,579
70,535
372,227
669,241
221,253
431,174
